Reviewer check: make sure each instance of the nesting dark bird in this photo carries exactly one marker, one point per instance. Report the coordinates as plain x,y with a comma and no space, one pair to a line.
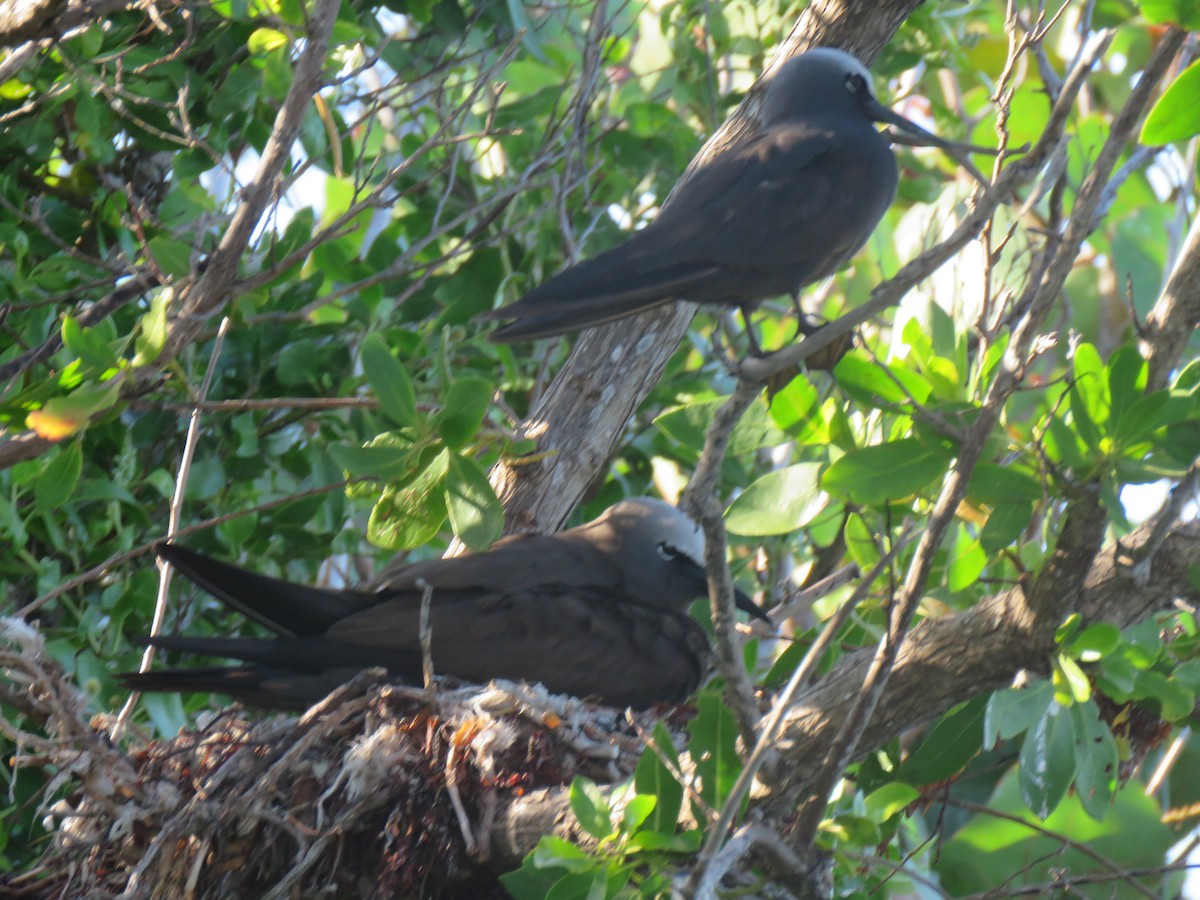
787,207
599,611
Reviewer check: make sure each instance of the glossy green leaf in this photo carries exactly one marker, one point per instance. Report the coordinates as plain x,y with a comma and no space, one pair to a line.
555,852
797,411
590,807
88,345
688,424
948,747
779,502
636,812
390,461
463,409
475,511
1014,710
1094,642
58,480
1096,753
1048,761
1174,701
263,40
877,384
408,517
152,330
173,256
967,565
885,472
995,484
1176,115
390,381
861,542
1071,685
1184,13
713,745
1004,526
653,778
885,802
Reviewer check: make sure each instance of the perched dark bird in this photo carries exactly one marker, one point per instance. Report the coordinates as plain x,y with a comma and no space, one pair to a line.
596,611
781,210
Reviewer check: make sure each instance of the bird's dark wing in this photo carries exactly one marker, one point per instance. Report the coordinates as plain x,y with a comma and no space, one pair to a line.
514,563
754,222
284,607
587,643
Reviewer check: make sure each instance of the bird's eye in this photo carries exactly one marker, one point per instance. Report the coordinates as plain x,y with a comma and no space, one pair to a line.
855,83
667,552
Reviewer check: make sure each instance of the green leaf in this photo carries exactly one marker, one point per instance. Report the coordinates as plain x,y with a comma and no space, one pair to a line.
88,345
797,410
1066,630
1174,701
636,811
1176,115
1086,426
1096,753
152,330
173,256
387,456
861,542
1089,387
885,472
885,802
878,385
63,416
475,511
58,480
408,517
1126,374
687,424
1184,13
1048,761
1071,685
1004,527
590,807
555,852
1096,641
1142,417
263,40
968,563
1014,710
463,409
952,743
390,382
993,484
713,745
779,502
653,778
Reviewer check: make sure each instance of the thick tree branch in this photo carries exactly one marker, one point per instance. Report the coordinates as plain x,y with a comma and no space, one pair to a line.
944,662
1176,315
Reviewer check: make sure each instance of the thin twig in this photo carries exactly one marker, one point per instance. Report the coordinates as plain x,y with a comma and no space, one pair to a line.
174,514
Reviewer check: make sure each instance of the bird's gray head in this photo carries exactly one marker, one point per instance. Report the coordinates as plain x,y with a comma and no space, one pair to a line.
660,552
830,82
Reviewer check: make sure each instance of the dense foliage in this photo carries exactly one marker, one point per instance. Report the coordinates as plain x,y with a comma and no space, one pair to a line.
453,154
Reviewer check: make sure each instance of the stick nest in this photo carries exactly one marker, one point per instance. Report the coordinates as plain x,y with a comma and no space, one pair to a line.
379,791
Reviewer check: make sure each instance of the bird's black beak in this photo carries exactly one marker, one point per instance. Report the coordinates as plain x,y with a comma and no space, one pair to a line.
695,572
880,113
746,605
